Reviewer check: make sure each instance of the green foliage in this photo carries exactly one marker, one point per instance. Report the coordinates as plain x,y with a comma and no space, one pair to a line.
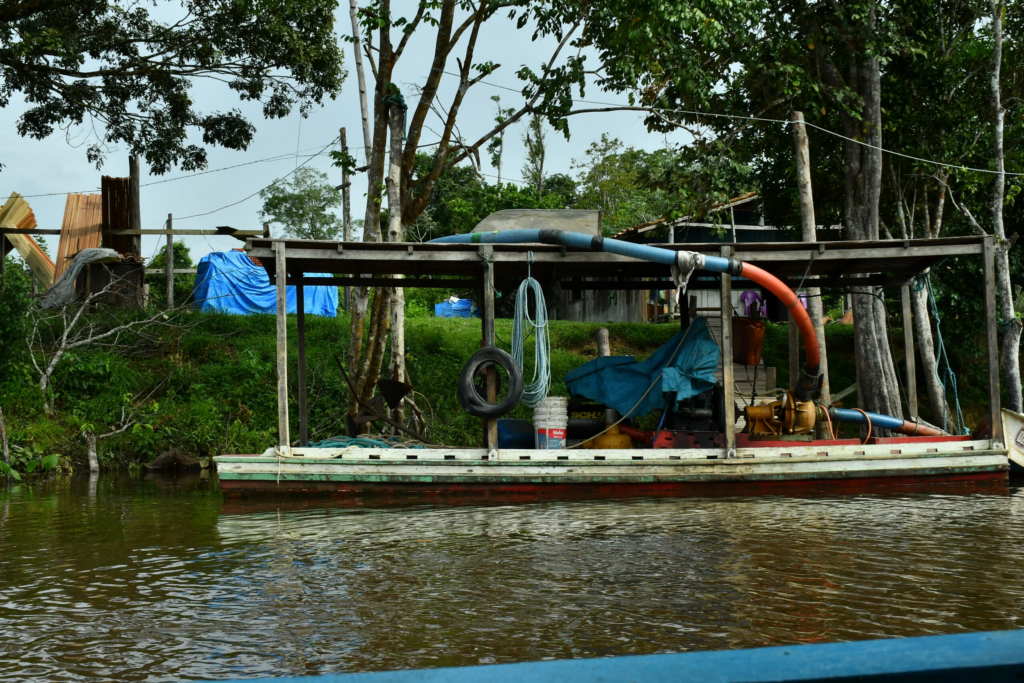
26,460
620,182
117,64
184,284
15,287
302,205
460,199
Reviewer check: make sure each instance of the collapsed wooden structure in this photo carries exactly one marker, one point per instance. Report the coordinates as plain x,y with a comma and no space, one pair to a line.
485,267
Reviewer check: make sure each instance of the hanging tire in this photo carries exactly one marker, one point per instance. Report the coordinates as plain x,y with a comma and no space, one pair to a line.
469,395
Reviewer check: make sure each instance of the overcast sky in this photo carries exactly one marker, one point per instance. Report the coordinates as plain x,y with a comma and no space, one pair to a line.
53,165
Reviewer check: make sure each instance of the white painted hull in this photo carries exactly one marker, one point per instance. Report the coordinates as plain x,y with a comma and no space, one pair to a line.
447,469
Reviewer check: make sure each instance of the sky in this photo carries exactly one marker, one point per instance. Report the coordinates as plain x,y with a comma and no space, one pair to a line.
58,165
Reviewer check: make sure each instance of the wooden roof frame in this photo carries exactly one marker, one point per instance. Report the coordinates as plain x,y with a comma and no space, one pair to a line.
831,264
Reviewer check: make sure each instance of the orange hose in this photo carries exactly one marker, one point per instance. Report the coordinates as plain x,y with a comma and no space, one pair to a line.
868,418
789,298
828,417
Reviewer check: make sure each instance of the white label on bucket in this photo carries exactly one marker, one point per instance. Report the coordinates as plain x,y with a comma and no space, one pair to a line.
551,439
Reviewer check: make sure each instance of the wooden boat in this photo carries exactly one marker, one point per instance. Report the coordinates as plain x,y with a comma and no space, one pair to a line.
742,464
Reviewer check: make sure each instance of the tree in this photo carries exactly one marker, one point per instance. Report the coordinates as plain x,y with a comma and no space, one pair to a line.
496,147
184,284
301,205
111,62
622,182
536,151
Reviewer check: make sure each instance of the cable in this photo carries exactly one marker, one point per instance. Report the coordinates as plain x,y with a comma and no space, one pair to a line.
245,199
831,432
868,418
768,120
279,157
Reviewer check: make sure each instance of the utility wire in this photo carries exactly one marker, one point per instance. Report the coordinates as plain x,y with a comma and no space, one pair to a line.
245,199
762,119
279,157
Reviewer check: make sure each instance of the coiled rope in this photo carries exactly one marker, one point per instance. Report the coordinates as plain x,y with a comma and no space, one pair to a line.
522,325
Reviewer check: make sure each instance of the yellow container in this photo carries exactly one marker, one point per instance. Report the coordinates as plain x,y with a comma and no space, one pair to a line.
609,440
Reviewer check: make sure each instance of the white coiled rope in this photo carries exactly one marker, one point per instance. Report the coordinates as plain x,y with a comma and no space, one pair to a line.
537,390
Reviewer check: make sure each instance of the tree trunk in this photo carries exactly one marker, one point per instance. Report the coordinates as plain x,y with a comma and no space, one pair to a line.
926,350
396,234
371,233
90,446
1011,335
809,234
357,48
877,390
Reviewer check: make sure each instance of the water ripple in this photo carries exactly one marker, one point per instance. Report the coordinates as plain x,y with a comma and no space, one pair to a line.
143,581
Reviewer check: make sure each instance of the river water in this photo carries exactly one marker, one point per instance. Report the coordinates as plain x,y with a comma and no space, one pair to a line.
161,579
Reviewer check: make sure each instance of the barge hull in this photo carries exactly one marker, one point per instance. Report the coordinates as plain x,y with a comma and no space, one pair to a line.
240,487
367,473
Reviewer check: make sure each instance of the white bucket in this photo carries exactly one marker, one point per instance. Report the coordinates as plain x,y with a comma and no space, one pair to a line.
551,420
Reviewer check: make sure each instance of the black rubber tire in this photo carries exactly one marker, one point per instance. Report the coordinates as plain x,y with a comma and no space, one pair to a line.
471,401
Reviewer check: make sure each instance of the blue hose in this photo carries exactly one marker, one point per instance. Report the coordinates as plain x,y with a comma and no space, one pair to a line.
857,417
715,264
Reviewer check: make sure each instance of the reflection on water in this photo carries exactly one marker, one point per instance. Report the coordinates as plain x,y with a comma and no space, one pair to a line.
152,580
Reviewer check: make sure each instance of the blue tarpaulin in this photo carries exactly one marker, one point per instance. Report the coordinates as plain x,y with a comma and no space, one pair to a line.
460,308
620,381
229,282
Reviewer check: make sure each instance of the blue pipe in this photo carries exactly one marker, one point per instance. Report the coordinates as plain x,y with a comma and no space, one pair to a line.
857,417
896,424
715,264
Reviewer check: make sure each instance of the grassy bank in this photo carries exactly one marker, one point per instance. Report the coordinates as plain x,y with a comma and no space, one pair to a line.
213,390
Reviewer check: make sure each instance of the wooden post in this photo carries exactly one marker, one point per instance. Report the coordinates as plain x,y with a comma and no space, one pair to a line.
908,342
487,323
283,436
266,231
300,329
992,342
808,229
346,214
135,204
169,270
604,347
671,298
727,364
794,354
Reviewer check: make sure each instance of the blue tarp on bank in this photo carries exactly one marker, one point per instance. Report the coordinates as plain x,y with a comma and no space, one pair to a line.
227,281
620,381
462,308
